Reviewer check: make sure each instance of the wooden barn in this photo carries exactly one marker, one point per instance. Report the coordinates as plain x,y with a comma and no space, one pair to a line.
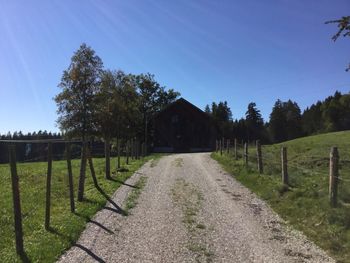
182,127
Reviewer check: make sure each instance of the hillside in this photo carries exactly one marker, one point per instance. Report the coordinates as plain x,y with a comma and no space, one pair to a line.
305,203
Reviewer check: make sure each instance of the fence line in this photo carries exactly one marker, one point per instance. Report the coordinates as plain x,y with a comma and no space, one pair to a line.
135,149
263,157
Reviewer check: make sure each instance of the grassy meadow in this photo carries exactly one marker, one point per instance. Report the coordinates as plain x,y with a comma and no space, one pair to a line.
46,246
305,203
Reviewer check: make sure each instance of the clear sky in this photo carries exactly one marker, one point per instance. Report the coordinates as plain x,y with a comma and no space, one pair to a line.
239,51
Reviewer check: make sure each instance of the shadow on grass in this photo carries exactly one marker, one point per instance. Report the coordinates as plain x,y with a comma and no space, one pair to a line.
117,207
90,253
123,183
73,244
24,257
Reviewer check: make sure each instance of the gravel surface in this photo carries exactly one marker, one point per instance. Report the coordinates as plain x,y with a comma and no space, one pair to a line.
190,210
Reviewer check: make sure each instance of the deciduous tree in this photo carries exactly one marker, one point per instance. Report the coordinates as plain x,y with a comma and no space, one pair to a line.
76,101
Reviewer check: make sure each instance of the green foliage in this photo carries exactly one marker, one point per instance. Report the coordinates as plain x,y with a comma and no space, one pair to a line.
305,202
222,117
46,246
79,84
332,114
153,98
285,121
107,103
343,29
254,122
117,105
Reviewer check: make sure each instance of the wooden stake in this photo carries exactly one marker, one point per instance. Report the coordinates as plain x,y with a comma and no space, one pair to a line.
236,156
127,151
48,186
228,146
118,153
284,165
259,157
137,149
333,176
92,170
81,184
221,146
132,149
16,201
108,158
246,154
70,177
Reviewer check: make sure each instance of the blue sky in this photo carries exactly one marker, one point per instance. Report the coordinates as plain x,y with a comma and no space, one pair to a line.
239,51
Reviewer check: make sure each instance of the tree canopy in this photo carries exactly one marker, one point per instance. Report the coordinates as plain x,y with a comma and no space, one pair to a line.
79,84
343,29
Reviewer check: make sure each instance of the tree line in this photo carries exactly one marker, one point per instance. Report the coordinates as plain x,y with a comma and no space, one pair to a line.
36,152
286,121
107,104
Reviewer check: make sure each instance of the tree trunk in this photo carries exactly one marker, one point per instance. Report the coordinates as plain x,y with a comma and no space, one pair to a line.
118,153
82,172
108,158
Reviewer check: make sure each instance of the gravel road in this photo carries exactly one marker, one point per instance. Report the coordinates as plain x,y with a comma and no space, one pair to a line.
190,210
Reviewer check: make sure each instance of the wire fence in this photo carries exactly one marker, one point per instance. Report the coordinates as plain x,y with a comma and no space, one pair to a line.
44,173
325,169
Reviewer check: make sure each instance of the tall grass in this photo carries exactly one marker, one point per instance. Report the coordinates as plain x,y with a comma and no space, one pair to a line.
305,202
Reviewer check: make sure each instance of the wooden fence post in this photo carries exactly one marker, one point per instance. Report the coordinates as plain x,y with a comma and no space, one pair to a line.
127,151
220,147
108,158
118,153
228,146
333,176
132,149
16,201
92,170
236,157
48,186
246,154
284,165
142,152
137,149
70,177
259,157
81,183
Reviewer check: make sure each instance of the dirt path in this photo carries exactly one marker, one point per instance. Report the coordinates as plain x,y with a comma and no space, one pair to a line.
190,211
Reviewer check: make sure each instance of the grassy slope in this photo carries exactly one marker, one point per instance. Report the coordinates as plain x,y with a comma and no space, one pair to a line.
305,205
41,245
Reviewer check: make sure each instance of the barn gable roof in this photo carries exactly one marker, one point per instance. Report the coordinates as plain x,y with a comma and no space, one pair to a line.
186,104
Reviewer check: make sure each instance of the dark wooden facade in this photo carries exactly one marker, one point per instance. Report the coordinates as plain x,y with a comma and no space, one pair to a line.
182,127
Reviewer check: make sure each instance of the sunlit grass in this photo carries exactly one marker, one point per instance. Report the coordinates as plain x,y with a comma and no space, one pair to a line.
46,246
305,203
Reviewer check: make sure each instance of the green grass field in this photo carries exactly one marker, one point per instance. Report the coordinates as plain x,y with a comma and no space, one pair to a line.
46,246
305,204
